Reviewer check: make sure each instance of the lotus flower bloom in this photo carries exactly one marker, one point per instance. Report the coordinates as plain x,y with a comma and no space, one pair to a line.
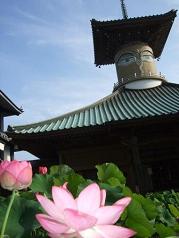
15,175
42,170
83,217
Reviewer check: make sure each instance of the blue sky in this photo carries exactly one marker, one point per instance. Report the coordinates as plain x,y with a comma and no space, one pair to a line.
46,53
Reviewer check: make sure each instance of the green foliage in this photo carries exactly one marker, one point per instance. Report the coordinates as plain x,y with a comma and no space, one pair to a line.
137,219
22,217
164,231
147,205
64,174
62,170
110,174
42,184
154,215
113,193
174,211
148,216
167,204
166,197
38,233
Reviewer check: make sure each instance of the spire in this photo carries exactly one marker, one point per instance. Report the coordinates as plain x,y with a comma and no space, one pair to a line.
124,10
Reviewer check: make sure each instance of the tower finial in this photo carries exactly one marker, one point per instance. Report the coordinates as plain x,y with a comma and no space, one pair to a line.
124,10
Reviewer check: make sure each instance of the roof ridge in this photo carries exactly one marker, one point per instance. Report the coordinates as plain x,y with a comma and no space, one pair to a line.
90,115
110,36
173,11
8,100
170,83
65,114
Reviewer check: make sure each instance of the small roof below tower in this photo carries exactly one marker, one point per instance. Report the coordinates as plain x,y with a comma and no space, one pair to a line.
7,107
110,36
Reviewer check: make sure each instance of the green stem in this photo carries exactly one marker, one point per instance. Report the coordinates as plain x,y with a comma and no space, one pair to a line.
7,214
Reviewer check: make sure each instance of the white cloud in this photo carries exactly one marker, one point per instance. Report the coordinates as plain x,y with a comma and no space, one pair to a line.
73,36
29,16
173,3
43,99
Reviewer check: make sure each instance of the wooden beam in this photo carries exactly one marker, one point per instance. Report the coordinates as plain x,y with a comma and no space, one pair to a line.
60,157
1,123
142,185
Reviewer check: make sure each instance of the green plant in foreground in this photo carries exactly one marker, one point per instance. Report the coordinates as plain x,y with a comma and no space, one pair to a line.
154,215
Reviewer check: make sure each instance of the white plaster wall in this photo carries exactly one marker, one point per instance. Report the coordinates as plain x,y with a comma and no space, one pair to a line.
143,84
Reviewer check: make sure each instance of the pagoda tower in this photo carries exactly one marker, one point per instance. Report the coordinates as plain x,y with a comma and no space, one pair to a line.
133,45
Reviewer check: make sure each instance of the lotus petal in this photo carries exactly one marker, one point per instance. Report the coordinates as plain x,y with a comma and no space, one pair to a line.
51,225
63,198
112,231
103,197
50,208
3,166
108,215
15,167
91,233
77,220
89,199
8,181
25,177
71,235
123,202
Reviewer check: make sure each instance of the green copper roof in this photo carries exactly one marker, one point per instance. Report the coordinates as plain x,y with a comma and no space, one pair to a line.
118,106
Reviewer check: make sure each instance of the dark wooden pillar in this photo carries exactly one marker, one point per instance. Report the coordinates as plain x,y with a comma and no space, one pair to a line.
1,122
60,157
1,130
1,155
12,152
139,170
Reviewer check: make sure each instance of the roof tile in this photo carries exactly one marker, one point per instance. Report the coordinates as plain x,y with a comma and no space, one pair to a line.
118,106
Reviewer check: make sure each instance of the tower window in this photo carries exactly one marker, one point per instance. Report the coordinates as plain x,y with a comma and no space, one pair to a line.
147,56
126,59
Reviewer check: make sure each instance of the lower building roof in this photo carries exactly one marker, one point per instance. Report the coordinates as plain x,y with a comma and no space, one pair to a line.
4,137
120,106
7,107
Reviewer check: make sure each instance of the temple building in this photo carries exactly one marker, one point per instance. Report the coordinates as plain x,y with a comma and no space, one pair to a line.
135,127
7,108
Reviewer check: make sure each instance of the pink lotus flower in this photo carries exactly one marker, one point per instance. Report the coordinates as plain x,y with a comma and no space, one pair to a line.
42,170
83,217
15,175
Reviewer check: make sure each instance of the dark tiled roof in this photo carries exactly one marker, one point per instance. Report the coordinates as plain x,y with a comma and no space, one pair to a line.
4,137
7,107
109,36
119,106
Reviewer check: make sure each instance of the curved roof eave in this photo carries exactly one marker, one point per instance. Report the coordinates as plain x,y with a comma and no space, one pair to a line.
7,106
119,106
